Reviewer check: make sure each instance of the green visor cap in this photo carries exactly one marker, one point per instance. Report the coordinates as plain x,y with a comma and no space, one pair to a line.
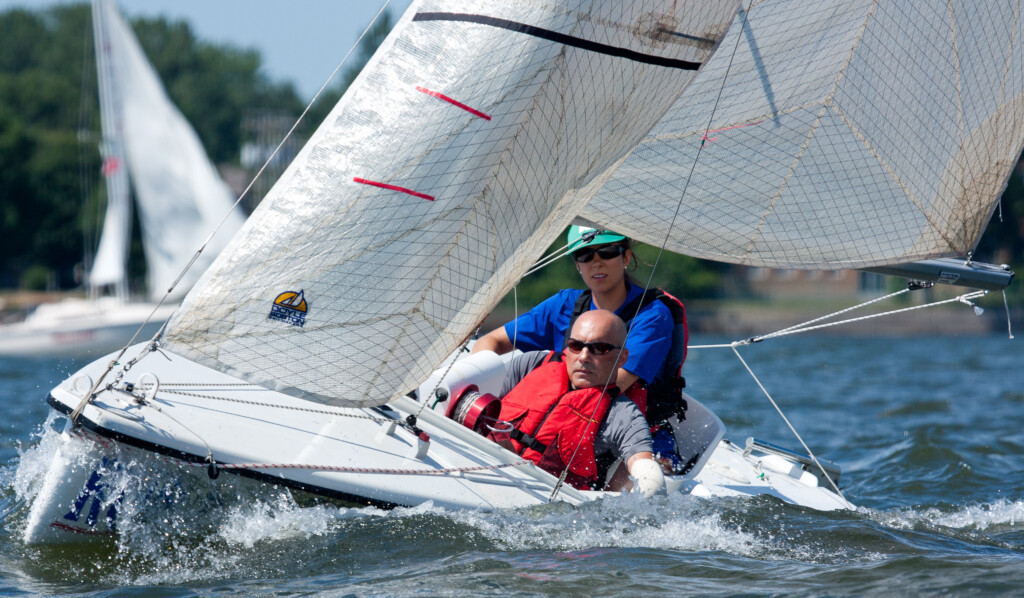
581,236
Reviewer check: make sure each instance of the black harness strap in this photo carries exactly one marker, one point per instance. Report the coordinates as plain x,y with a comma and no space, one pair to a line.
528,441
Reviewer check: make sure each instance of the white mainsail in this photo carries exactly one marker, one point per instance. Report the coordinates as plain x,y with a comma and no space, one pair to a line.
469,142
846,135
109,265
180,196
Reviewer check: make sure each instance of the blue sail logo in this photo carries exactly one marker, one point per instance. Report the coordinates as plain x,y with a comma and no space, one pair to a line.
290,307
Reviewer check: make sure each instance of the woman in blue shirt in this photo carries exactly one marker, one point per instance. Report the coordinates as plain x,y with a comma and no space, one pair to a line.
601,257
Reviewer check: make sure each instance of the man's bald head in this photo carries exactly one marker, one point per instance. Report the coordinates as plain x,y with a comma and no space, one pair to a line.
601,327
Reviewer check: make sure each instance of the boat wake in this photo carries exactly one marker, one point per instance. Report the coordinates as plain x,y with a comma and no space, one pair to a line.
993,517
174,524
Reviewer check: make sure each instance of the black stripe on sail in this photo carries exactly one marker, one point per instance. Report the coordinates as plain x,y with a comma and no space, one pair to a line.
560,38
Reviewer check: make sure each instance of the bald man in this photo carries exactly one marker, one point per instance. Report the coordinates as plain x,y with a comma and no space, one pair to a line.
566,409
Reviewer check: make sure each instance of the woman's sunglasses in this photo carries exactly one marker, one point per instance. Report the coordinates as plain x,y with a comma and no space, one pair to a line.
596,348
606,253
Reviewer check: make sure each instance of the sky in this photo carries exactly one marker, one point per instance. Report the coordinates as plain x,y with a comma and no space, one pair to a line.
301,41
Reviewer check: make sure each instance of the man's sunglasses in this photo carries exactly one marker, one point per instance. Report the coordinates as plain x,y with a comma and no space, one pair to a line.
606,253
596,348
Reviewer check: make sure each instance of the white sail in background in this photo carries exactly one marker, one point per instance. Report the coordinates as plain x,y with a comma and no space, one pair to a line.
844,135
109,265
464,148
180,196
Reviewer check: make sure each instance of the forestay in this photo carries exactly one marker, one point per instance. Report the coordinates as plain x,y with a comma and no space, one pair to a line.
180,196
847,134
468,143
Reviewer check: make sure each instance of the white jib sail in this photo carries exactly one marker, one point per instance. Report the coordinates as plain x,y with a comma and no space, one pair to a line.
108,267
180,196
469,142
848,134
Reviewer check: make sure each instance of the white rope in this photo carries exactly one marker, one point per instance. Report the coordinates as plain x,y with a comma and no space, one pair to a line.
965,298
551,258
847,310
806,327
785,419
377,470
379,420
1006,305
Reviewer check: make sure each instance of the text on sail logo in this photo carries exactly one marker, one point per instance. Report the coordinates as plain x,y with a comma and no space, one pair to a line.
290,307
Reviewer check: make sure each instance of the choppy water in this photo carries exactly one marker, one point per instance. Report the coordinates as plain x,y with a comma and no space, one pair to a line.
929,433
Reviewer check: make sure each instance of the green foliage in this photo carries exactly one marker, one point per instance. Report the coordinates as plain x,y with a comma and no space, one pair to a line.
50,204
212,85
36,278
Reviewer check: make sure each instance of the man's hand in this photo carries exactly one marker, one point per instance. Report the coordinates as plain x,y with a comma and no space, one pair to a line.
647,473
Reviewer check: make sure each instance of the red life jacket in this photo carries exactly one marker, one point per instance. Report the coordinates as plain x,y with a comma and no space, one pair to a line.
550,421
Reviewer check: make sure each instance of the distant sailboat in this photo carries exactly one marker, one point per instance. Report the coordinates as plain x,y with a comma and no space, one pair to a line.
148,145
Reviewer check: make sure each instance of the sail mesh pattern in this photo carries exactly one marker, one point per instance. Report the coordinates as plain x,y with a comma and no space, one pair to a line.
848,134
472,138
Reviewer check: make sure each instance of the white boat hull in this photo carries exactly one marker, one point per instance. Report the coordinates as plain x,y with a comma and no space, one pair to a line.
176,408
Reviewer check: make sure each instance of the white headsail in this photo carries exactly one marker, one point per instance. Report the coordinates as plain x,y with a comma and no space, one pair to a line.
180,196
847,134
109,266
469,142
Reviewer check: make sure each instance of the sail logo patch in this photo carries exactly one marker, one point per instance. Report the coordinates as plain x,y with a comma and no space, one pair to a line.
290,307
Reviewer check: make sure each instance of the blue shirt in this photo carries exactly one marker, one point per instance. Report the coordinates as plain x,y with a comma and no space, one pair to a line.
546,326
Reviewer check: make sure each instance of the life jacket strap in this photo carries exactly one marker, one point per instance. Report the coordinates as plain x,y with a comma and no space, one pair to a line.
528,441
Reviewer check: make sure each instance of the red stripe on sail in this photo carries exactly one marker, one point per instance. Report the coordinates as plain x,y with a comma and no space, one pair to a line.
706,138
393,188
454,102
110,166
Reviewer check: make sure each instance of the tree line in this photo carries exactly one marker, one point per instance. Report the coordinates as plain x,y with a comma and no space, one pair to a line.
51,199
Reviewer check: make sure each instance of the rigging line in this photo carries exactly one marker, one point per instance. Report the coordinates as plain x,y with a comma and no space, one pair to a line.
791,428
965,298
88,397
277,149
515,310
423,400
668,233
552,257
195,395
364,470
838,313
700,150
1009,327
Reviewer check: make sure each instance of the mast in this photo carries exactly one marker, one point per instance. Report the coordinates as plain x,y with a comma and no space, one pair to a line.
112,255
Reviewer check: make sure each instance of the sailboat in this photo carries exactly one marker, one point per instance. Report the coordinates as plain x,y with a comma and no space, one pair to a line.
325,349
150,147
